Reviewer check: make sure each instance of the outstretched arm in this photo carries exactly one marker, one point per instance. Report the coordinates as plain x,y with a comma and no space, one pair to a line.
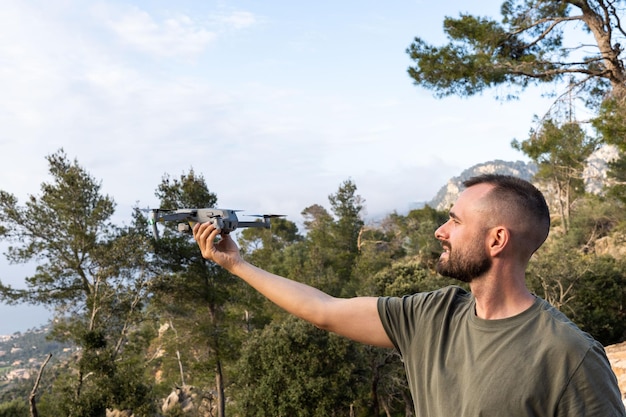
355,318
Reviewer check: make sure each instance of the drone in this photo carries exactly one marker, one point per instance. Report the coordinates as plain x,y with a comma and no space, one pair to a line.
224,219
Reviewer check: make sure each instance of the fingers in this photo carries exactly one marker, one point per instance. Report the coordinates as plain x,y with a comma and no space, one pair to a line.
201,228
205,235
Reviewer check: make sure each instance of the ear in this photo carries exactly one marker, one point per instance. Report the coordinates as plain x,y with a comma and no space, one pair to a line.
497,240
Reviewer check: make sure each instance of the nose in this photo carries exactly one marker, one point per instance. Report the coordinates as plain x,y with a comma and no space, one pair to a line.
441,233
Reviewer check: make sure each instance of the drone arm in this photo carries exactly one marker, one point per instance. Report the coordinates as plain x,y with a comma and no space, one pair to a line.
155,231
176,217
264,224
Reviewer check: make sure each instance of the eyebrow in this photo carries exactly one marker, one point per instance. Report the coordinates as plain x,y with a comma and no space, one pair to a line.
453,215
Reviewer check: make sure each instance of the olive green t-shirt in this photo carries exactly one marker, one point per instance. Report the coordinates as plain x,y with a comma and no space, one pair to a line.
537,363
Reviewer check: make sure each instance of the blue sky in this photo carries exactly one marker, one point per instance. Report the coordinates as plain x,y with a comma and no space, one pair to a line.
274,103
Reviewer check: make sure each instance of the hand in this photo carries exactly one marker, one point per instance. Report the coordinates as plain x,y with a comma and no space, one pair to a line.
223,252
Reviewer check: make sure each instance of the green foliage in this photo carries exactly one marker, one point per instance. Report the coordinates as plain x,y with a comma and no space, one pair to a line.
293,369
408,276
599,306
334,243
120,385
558,148
190,190
388,388
61,230
398,256
526,47
418,233
568,273
264,248
347,207
589,289
611,125
64,401
560,152
330,249
611,121
94,274
463,67
593,218
14,408
194,301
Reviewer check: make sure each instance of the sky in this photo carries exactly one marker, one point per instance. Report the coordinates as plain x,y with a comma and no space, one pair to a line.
274,103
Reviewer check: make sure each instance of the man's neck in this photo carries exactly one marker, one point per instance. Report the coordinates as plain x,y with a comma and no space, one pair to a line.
500,298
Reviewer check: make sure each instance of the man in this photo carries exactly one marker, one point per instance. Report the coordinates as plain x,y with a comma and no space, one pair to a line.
496,351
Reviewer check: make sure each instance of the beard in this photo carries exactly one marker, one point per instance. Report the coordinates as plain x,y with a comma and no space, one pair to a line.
464,265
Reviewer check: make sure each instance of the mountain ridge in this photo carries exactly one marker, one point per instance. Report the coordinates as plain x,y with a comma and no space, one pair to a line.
594,175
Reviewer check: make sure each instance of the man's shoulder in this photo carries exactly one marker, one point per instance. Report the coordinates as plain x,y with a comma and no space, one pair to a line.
446,299
449,292
562,329
565,348
422,313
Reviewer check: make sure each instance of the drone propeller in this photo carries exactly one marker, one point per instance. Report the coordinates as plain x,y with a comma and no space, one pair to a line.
267,216
265,223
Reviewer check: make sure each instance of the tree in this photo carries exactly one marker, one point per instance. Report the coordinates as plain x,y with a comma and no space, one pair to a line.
328,253
195,299
570,274
316,254
262,246
277,250
93,274
290,368
418,229
560,152
600,299
528,46
610,123
337,255
347,207
586,287
14,408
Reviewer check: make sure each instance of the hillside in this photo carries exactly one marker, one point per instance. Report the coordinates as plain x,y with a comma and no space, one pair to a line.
22,354
446,196
594,175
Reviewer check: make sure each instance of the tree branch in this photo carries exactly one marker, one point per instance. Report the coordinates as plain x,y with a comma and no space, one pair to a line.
33,393
554,23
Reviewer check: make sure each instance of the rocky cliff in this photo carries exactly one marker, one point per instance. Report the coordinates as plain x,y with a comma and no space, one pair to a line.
449,192
617,357
594,175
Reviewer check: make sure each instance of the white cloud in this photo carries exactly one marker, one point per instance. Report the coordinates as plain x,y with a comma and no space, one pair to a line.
237,19
176,35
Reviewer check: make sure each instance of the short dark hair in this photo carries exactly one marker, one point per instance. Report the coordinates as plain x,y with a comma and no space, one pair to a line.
522,199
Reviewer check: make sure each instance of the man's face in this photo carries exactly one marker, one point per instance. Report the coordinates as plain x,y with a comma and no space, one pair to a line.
464,261
465,255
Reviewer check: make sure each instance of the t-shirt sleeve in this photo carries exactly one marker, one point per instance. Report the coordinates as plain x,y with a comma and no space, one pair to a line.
388,310
593,390
407,319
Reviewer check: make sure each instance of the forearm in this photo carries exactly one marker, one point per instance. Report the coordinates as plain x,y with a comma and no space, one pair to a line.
297,298
354,318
